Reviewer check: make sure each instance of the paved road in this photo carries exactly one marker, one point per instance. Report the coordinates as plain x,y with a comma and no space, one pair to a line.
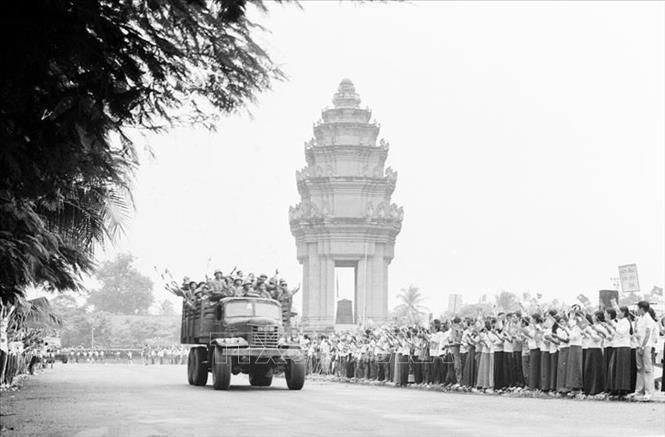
122,400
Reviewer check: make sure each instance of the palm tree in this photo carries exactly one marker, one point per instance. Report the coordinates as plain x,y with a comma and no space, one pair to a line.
410,309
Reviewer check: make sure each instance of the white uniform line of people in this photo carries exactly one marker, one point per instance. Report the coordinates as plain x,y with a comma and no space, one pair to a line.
601,354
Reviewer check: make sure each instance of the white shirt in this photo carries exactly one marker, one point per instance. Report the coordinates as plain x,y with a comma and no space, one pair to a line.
622,335
593,339
562,334
575,336
441,340
508,345
643,324
609,342
532,342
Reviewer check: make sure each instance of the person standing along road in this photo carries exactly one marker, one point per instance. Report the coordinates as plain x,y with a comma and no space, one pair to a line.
455,340
646,331
620,383
533,341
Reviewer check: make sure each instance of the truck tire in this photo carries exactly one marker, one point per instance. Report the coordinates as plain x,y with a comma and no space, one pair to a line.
221,370
295,374
260,377
199,366
190,367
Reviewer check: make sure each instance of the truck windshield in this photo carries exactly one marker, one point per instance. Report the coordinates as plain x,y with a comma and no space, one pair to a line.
252,309
264,309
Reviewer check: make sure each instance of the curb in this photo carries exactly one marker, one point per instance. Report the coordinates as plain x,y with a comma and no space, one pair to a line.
518,393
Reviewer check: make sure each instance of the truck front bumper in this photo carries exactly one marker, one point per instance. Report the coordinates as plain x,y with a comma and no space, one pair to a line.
274,354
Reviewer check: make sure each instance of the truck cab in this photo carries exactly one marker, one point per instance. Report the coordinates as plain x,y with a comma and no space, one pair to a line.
239,335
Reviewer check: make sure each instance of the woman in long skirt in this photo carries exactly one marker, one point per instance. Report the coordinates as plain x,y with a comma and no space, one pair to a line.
534,354
468,365
554,356
562,360
526,356
497,365
508,377
574,363
544,361
594,367
608,352
517,359
478,347
483,380
402,366
621,369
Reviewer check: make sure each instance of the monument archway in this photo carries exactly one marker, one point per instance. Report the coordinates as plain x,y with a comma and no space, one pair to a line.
345,217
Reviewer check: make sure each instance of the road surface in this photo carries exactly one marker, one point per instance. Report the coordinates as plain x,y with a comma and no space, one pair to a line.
86,400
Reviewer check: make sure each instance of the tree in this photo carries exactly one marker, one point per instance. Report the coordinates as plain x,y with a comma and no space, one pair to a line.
507,301
76,75
124,289
410,309
474,309
166,308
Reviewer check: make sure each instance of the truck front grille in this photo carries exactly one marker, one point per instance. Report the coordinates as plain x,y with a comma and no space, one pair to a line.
264,338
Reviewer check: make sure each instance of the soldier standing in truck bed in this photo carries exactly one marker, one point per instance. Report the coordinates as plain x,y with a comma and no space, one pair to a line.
218,284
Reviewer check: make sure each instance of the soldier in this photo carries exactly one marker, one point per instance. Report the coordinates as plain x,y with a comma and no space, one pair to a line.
273,289
261,279
262,291
248,291
237,287
218,284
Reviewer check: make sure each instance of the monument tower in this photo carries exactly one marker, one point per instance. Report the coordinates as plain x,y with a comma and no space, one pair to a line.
345,218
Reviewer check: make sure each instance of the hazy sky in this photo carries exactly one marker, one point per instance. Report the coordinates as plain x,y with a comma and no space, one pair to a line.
528,138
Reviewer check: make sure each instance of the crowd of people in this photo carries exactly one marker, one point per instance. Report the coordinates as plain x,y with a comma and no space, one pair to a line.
174,354
236,284
571,352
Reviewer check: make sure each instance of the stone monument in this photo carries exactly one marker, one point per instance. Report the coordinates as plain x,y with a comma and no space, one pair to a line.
345,217
344,312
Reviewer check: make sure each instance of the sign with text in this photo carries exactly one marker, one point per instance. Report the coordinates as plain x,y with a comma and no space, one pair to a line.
628,276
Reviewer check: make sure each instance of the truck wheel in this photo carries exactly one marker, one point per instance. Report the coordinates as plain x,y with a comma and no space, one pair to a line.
260,378
221,370
199,366
295,374
190,367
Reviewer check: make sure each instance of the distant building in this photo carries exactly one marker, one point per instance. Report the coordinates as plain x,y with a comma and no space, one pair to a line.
454,302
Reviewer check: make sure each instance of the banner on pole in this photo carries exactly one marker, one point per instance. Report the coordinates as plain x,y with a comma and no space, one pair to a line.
628,277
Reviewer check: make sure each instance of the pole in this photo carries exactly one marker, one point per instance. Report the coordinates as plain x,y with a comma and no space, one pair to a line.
92,337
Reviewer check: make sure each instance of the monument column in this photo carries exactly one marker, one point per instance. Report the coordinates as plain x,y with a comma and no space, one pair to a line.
377,295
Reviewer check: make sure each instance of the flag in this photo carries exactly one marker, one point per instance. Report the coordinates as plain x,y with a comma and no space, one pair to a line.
582,298
658,291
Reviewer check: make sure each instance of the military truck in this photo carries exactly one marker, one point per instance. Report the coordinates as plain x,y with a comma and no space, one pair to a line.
239,335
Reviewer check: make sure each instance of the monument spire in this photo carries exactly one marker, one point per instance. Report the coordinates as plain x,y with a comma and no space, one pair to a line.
346,96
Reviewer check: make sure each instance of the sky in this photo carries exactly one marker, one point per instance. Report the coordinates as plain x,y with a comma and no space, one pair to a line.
528,139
